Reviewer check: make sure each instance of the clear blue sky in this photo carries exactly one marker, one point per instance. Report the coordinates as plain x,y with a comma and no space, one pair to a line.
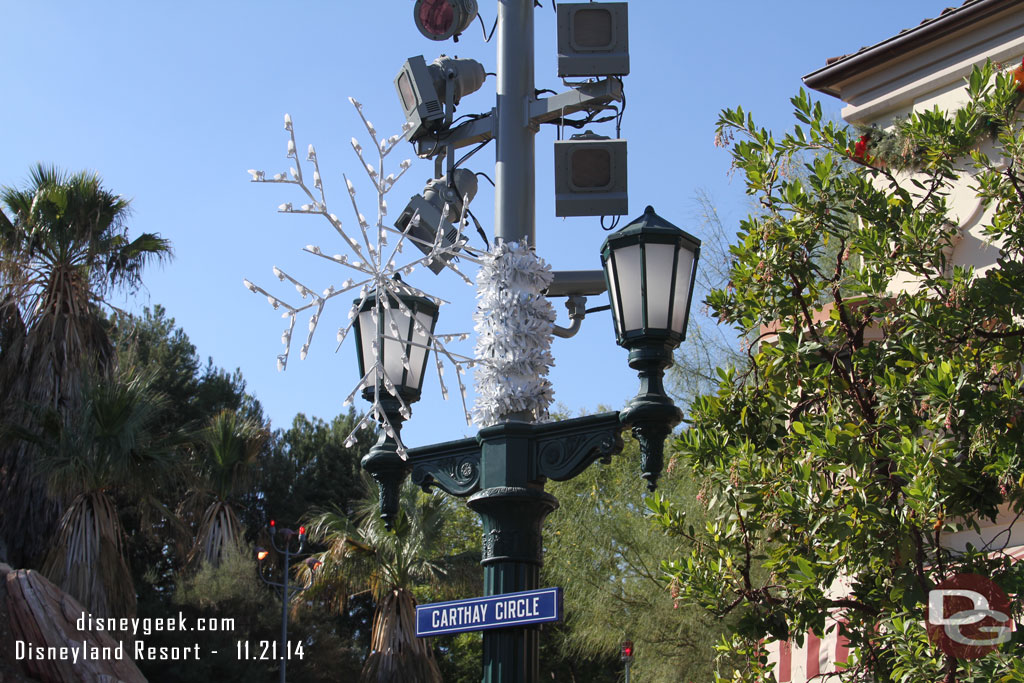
172,102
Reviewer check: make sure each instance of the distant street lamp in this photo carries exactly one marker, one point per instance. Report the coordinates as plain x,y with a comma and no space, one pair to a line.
287,591
626,655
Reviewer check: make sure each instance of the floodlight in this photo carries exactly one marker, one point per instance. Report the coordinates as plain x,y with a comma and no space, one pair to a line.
261,554
444,19
590,176
424,216
423,90
593,39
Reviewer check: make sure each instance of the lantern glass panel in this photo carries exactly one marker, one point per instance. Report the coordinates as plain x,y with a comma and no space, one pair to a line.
367,335
684,275
659,283
418,351
394,350
628,272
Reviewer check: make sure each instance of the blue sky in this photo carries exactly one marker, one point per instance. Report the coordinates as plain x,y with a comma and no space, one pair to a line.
172,102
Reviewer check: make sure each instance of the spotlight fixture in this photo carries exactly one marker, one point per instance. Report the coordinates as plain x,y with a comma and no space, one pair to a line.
424,217
444,19
425,90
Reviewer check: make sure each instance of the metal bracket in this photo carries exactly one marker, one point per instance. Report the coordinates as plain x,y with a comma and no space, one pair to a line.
577,306
566,448
453,467
580,282
469,133
586,96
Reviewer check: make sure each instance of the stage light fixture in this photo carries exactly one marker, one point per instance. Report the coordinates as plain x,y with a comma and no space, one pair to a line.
423,90
424,216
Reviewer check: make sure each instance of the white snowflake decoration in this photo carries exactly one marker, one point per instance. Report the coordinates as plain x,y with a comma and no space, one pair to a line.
373,271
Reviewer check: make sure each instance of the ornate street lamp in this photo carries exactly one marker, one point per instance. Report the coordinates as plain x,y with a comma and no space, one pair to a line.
402,321
649,267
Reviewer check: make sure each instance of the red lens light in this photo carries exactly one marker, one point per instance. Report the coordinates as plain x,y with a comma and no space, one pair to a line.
302,531
436,16
271,522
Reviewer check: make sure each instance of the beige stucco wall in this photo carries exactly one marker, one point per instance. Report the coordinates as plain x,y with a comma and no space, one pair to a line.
928,77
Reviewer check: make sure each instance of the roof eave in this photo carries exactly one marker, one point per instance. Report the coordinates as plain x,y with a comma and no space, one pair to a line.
828,78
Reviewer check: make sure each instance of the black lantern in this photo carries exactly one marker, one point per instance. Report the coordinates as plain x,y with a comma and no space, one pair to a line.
650,266
401,323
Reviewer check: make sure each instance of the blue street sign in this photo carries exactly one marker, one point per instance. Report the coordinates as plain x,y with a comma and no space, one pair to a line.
495,611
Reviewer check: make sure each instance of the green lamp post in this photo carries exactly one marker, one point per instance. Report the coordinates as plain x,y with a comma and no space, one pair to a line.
400,323
649,267
649,270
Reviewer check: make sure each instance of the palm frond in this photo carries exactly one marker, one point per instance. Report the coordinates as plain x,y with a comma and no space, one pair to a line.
88,560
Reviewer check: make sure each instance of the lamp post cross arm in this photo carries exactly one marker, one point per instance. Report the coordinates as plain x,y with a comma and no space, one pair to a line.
453,467
564,449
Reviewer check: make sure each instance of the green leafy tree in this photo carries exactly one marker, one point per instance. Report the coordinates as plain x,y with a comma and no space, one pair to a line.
158,544
64,248
604,552
308,466
835,452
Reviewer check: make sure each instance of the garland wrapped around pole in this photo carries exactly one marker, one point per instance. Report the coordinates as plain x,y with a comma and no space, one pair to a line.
514,325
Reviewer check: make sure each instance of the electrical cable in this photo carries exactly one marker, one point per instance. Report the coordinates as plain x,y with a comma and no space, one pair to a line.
479,228
615,223
483,27
472,152
480,173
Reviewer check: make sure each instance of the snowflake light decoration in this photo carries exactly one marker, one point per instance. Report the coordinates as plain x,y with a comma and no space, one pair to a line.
373,273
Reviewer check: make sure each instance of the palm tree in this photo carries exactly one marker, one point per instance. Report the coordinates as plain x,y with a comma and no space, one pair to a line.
229,447
112,443
64,247
366,557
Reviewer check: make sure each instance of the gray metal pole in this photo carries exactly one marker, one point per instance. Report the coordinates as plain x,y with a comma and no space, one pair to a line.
284,612
514,203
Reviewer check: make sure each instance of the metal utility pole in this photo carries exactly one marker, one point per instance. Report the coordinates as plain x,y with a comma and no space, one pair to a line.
514,187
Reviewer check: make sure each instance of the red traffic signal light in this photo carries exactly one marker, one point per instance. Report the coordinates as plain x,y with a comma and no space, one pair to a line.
444,19
627,650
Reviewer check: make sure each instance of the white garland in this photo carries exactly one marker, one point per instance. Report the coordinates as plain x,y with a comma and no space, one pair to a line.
514,326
